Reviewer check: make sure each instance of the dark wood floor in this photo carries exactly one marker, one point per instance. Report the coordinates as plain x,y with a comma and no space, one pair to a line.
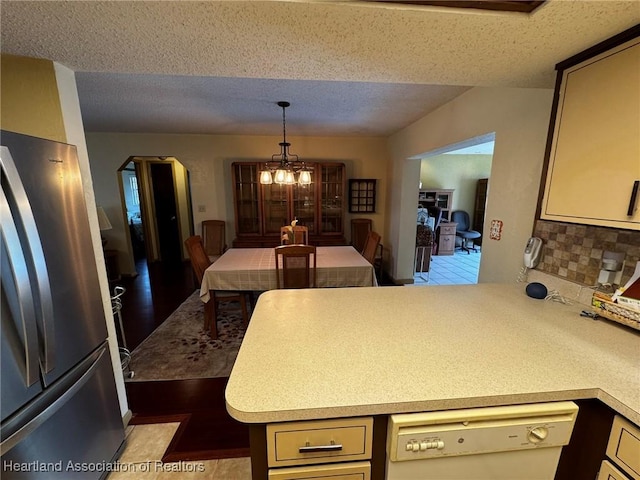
206,430
152,296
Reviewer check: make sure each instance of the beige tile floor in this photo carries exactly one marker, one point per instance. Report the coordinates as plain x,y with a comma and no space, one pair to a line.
145,446
461,268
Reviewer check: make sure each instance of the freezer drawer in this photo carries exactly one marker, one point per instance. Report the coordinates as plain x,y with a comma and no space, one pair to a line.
73,437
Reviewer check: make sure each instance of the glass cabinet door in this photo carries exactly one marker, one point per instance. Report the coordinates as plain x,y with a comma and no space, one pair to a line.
304,205
275,204
332,198
262,209
246,198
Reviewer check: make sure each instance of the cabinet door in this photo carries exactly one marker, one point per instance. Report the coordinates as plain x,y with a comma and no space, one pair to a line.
624,446
332,198
610,472
343,471
247,199
304,204
595,153
275,205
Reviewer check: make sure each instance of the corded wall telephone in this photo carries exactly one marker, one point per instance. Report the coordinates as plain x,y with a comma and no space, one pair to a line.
532,252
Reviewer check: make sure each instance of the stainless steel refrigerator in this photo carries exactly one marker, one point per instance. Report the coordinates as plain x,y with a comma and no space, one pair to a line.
58,400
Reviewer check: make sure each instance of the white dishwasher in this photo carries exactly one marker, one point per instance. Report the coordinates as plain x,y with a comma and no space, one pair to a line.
515,442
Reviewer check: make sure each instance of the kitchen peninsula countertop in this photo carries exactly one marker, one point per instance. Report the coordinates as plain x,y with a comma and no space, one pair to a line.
346,352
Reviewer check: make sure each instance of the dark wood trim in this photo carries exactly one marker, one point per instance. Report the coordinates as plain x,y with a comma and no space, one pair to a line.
206,429
522,6
173,453
547,150
379,451
258,446
152,419
599,48
587,448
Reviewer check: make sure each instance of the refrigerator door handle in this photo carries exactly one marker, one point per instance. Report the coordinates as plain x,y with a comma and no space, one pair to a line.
19,427
43,302
15,276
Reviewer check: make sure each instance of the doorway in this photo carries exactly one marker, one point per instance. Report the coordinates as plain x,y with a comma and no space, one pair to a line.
166,212
464,170
156,202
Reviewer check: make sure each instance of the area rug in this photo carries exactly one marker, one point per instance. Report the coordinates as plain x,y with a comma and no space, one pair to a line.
181,349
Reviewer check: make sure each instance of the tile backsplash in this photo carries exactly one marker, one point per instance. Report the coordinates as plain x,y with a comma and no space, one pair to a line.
574,252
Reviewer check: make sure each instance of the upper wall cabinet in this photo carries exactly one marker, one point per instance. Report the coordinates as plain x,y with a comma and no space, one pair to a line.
593,172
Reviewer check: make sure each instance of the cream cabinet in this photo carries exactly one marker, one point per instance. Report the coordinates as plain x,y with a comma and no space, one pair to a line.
338,449
623,452
347,471
608,471
593,174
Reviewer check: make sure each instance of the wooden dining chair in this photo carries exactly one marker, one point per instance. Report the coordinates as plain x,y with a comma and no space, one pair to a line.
300,235
360,228
371,247
200,262
298,266
213,238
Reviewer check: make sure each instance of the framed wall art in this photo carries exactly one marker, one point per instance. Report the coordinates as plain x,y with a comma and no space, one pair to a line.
362,195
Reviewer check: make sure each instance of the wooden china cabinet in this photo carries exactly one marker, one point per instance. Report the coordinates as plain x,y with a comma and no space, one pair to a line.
260,210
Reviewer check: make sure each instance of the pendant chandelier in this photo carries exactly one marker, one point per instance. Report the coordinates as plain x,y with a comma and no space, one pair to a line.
284,166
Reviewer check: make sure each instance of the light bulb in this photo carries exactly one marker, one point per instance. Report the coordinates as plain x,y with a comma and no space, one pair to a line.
265,177
305,177
281,176
290,179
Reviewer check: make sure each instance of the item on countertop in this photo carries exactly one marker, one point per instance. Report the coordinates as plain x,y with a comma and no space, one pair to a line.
634,278
607,308
536,290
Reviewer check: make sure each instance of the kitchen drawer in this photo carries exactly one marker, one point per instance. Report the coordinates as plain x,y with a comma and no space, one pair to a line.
338,471
624,447
322,441
610,472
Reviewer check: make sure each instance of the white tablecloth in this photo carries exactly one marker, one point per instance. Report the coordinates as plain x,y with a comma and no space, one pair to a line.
254,269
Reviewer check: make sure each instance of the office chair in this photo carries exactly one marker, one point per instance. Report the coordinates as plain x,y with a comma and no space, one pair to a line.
463,230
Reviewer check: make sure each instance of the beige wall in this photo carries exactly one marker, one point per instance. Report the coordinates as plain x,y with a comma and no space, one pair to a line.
30,102
458,172
40,98
520,119
208,159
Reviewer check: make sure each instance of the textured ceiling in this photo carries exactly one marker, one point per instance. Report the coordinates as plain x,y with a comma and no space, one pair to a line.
348,68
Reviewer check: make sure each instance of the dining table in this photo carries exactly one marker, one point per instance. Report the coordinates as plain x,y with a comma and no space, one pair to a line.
254,269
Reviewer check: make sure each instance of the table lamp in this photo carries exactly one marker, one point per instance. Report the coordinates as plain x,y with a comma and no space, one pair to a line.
104,223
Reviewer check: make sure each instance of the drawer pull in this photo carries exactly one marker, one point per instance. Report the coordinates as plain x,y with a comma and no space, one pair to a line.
334,447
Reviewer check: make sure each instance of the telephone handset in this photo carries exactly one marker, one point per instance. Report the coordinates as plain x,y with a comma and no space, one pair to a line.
532,252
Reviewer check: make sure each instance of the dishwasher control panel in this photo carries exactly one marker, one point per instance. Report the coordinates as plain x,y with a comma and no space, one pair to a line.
418,436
